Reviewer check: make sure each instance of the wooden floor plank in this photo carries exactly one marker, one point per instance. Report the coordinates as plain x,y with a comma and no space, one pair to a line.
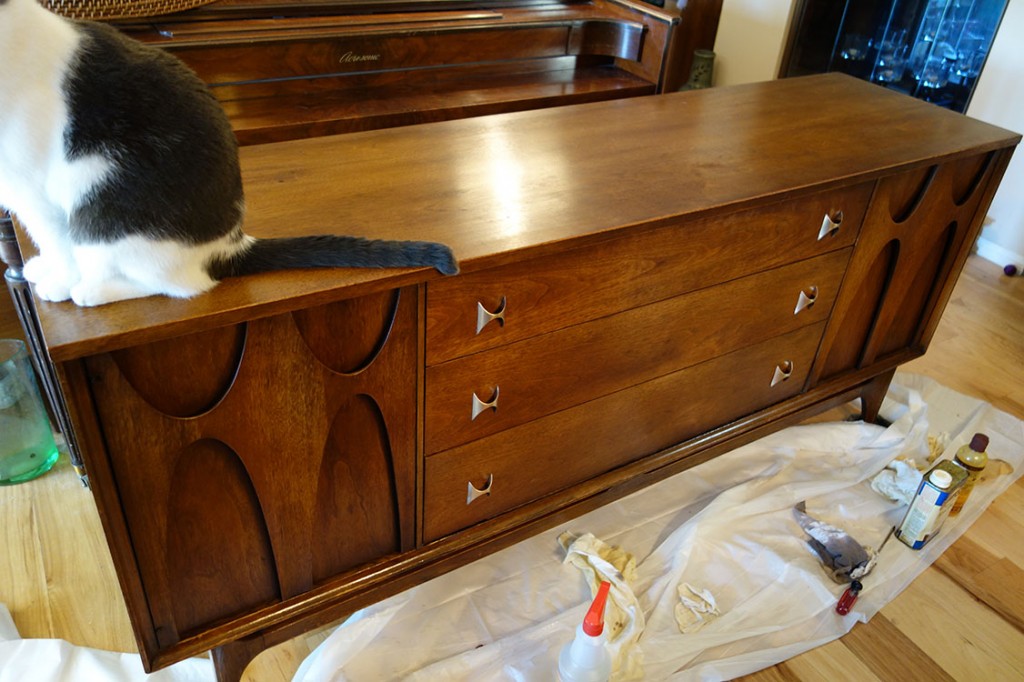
777,673
24,588
996,582
1001,587
65,540
999,533
965,560
833,661
889,653
960,634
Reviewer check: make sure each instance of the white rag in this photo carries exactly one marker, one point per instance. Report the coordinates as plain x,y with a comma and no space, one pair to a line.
695,609
898,481
623,616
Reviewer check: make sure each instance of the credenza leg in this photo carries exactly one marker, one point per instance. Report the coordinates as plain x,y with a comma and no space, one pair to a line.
872,395
230,660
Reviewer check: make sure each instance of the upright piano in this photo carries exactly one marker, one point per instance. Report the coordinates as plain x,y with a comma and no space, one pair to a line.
287,69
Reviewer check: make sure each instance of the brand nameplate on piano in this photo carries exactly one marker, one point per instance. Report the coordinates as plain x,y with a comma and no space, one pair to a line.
352,57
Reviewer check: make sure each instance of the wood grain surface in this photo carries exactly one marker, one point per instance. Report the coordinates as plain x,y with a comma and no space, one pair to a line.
505,188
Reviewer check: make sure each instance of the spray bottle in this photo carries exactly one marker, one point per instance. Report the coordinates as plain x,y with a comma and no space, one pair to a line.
586,658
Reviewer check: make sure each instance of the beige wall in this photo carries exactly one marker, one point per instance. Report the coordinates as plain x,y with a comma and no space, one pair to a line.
750,39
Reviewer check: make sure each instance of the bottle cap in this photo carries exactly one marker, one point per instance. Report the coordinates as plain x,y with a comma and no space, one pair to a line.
593,622
979,443
940,478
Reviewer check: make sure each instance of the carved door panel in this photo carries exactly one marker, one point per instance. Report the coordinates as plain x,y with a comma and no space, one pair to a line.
259,460
919,228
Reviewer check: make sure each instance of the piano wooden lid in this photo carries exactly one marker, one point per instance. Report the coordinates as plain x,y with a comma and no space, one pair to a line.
506,187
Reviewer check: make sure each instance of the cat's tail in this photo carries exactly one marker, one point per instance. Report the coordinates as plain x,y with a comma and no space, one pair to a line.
331,251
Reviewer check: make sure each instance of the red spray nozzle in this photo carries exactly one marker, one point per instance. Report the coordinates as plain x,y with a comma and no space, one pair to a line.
593,622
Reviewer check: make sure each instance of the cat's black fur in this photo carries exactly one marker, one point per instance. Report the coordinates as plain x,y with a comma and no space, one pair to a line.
181,176
147,171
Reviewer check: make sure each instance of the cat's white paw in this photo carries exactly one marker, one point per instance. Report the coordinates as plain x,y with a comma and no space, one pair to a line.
88,294
50,280
52,291
36,268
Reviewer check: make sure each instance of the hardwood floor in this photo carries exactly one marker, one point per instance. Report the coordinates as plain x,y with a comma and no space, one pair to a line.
963,619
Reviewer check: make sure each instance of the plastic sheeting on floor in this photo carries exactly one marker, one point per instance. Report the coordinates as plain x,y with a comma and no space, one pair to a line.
725,528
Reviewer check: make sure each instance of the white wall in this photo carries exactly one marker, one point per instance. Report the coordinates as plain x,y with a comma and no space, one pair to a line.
749,45
999,99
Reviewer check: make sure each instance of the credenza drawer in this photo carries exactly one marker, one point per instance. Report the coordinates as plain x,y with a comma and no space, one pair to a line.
482,310
480,394
490,476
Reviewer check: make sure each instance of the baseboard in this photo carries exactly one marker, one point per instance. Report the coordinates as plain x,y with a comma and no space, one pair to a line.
997,254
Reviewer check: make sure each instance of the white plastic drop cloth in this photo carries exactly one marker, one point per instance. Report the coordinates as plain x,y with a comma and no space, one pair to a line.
723,530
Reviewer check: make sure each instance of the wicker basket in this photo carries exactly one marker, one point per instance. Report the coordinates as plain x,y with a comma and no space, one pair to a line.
118,9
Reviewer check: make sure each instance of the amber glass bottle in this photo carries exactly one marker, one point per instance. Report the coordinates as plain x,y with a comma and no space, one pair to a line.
973,458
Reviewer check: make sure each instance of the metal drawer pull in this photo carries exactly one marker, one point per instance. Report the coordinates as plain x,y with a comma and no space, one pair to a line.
479,405
484,316
830,225
782,372
473,492
806,299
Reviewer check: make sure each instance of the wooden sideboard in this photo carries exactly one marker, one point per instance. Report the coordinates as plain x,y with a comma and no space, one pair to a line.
645,284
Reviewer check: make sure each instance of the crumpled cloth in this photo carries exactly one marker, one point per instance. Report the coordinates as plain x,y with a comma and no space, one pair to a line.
937,445
695,609
898,481
623,617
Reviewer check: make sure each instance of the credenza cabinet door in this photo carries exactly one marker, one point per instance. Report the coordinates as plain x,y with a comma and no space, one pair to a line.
917,232
260,460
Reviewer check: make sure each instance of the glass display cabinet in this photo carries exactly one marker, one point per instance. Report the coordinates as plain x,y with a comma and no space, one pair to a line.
930,49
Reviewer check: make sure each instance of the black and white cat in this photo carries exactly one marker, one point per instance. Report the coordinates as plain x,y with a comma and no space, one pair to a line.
124,170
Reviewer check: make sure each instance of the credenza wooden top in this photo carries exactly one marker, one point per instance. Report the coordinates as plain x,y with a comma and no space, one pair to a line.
505,187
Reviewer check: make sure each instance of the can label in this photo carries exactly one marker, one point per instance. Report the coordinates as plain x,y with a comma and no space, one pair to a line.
930,507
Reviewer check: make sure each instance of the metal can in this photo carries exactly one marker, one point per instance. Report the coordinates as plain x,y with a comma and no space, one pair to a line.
931,505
